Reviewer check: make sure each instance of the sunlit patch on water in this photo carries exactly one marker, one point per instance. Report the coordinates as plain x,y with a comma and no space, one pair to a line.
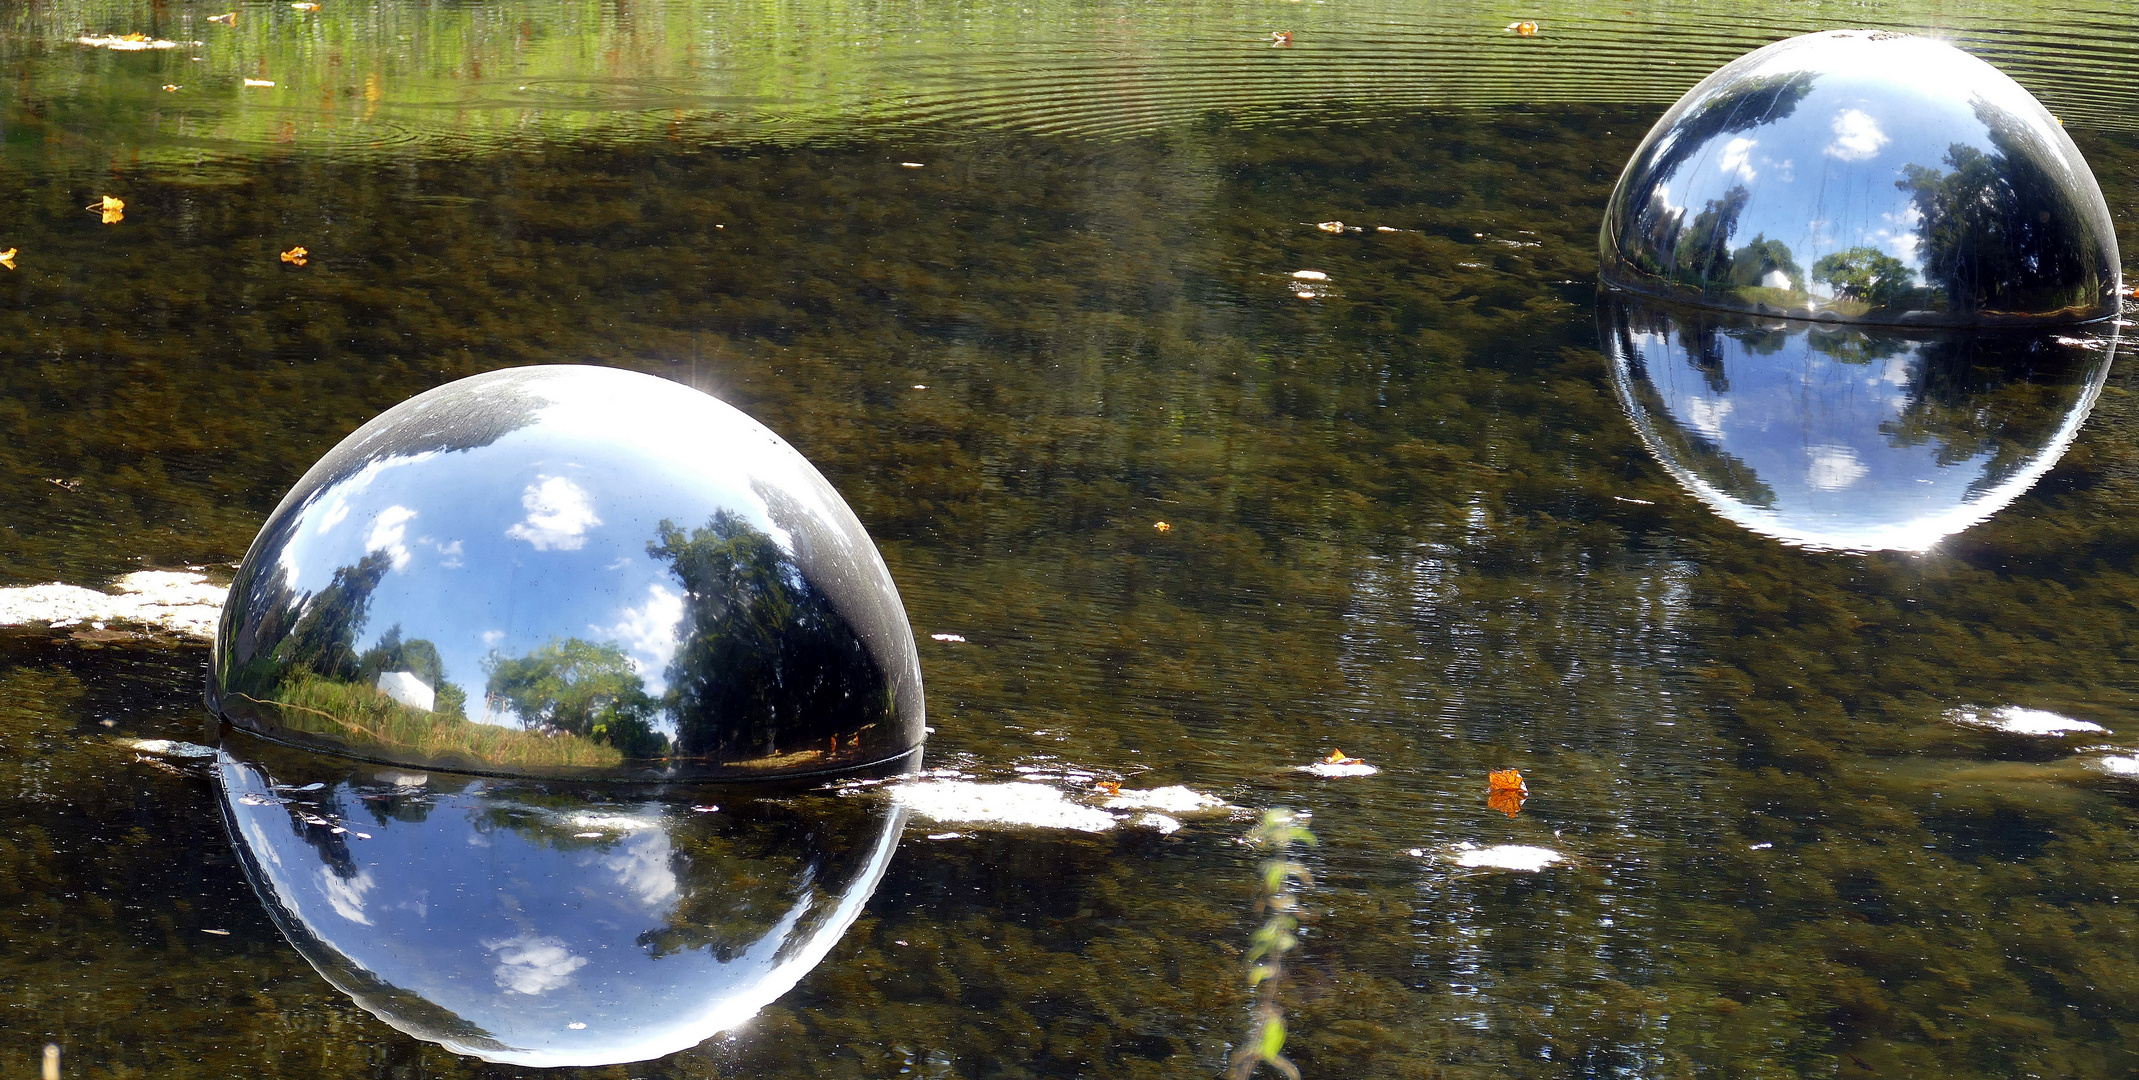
169,748
175,601
2014,720
2121,765
1524,858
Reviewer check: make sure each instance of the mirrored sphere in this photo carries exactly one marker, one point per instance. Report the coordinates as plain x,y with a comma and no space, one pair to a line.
1864,176
570,572
521,921
1856,438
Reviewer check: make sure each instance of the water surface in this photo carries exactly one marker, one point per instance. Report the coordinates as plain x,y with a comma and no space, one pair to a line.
1021,283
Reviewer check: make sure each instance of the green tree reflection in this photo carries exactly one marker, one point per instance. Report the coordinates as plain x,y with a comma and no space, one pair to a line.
1865,274
577,687
767,668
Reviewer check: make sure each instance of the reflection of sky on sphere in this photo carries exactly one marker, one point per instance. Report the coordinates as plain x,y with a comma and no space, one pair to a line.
526,942
541,534
1780,435
1825,173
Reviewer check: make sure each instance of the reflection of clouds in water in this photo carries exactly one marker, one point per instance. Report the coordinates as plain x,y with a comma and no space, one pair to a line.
1832,468
558,515
387,531
649,633
1705,415
642,867
533,964
1857,136
346,895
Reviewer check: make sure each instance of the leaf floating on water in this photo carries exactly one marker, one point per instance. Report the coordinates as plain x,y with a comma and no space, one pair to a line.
296,256
1330,226
1523,28
113,208
7,258
1336,757
1111,787
228,18
1161,526
305,5
170,87
1505,791
1281,39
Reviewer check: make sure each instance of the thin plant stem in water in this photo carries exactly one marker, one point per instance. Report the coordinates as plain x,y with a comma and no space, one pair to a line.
1279,878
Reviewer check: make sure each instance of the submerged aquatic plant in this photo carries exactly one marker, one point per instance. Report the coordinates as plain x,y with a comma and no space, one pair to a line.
1278,877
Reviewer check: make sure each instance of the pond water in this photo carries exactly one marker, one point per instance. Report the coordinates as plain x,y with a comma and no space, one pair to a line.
1026,283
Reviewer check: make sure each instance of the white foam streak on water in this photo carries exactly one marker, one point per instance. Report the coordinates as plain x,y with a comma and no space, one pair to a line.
176,601
2122,765
1172,800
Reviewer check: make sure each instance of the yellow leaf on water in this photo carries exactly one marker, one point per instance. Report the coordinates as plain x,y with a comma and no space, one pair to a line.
7,258
1523,28
1330,226
295,255
169,87
1161,526
1336,757
112,207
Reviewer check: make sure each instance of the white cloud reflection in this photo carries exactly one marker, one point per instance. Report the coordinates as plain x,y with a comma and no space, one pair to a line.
533,964
1856,136
387,532
346,895
558,515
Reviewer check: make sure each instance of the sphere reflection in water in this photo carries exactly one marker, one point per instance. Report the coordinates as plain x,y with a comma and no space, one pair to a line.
1850,437
523,923
1864,177
572,572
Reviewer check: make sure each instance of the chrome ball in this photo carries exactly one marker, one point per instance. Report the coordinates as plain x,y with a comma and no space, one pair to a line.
518,921
1868,177
1850,438
570,572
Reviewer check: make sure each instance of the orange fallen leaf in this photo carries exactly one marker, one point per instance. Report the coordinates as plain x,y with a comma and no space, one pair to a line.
1507,802
1330,226
113,208
1111,787
1161,526
7,258
230,17
169,87
1523,28
1280,38
1505,791
1336,757
295,255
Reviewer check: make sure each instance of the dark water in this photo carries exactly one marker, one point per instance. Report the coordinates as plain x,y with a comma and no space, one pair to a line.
1407,517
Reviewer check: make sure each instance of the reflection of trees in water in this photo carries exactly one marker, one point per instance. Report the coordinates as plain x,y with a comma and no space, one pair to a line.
1700,338
1997,232
576,687
1852,346
1997,398
766,664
